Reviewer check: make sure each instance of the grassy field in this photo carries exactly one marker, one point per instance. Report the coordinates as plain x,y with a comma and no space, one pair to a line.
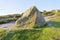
56,22
29,34
46,33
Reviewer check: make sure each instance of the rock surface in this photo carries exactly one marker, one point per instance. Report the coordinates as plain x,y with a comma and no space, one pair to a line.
32,17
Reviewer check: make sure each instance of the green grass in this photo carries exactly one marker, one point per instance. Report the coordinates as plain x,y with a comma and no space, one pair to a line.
57,19
29,34
56,22
45,33
8,18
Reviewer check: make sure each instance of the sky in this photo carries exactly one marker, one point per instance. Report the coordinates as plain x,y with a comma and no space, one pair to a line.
19,6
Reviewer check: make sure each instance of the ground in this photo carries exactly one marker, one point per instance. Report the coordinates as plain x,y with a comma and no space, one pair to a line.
8,26
11,24
50,32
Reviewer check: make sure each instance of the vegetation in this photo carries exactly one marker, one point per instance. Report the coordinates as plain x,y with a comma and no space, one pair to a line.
31,34
43,33
9,18
56,22
50,13
44,13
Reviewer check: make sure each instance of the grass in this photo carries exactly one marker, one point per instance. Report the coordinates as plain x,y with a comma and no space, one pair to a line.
56,22
45,33
9,18
6,20
57,19
29,34
46,25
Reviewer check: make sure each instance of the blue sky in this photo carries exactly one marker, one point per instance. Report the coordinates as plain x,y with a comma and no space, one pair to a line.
19,6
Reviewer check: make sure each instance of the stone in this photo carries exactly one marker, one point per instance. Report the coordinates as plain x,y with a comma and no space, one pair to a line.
32,17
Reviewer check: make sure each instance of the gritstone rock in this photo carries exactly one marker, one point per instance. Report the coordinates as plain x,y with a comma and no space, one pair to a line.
32,17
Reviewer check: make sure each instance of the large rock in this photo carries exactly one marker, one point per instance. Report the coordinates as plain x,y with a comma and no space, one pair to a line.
32,17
